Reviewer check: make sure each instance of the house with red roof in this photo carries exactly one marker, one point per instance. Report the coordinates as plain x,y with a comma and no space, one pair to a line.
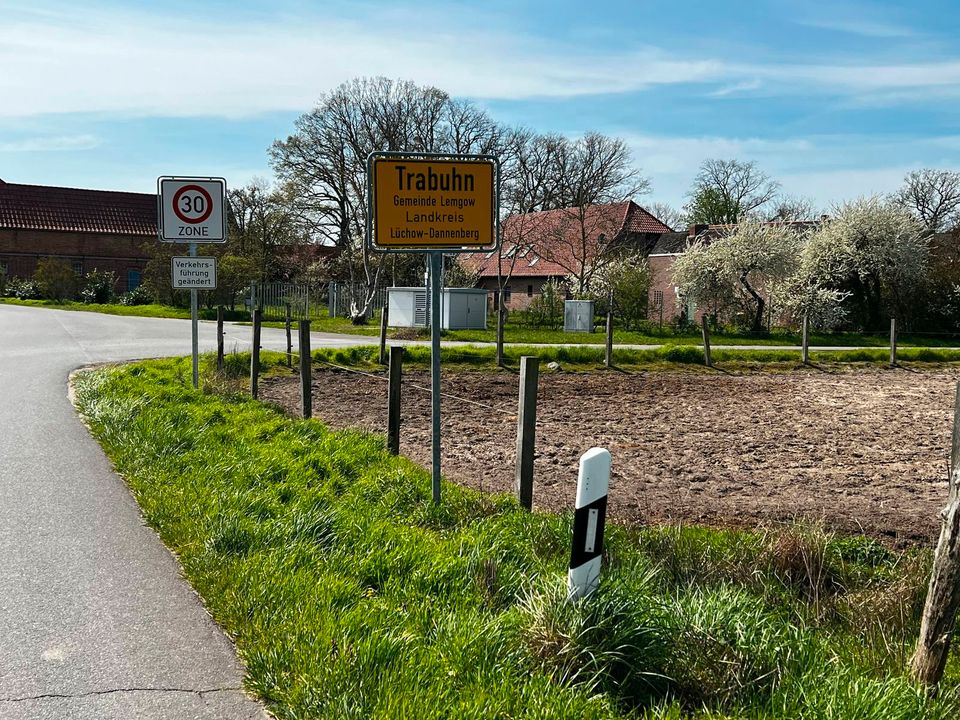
561,245
90,229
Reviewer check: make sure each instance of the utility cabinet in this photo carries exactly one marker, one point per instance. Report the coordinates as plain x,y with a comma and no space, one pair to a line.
578,315
460,308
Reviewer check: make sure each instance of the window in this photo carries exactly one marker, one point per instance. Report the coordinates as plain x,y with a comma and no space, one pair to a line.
78,267
506,297
3,267
658,298
529,290
133,280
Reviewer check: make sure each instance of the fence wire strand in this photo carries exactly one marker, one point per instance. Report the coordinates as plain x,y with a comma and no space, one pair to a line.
417,387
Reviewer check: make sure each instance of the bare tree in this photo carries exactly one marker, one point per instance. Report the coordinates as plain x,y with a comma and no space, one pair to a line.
933,197
593,171
261,222
667,214
725,191
787,208
325,159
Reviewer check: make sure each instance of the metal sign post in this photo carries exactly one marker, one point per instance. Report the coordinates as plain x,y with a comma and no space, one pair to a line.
433,204
192,210
436,260
194,327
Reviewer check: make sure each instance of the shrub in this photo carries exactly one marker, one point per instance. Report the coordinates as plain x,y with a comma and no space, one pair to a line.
546,310
139,296
55,279
98,287
22,289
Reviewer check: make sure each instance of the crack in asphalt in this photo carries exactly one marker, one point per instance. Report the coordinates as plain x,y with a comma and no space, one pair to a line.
92,693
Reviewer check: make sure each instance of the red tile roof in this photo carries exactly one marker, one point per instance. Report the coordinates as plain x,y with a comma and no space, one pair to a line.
38,207
548,236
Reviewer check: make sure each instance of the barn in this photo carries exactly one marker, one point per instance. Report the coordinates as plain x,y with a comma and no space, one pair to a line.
89,229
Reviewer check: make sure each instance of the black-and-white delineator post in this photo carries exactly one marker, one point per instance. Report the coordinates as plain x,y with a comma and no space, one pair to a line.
589,519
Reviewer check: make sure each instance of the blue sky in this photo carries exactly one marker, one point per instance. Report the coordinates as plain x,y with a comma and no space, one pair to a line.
833,99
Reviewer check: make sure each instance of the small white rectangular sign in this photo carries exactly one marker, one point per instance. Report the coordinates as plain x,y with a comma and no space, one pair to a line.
198,273
191,210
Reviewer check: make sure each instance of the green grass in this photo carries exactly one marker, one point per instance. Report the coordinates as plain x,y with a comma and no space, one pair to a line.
351,595
584,358
157,311
518,334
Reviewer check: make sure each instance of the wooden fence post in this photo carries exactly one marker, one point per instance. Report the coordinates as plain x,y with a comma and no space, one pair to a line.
393,399
384,318
893,342
943,596
805,341
608,355
527,428
306,370
220,338
255,357
289,341
706,341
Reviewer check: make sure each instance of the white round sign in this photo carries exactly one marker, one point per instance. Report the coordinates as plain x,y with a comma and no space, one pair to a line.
191,210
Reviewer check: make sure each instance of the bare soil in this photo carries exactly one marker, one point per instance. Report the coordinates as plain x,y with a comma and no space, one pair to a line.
863,450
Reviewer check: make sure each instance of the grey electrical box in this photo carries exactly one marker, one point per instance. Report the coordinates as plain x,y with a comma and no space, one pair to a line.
578,315
460,308
464,309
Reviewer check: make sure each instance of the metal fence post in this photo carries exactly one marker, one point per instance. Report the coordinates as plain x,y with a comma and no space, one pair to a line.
527,429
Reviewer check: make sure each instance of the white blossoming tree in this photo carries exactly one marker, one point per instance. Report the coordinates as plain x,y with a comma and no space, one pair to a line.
736,275
863,264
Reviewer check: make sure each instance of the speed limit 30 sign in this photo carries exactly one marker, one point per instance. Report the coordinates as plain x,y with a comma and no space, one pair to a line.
191,210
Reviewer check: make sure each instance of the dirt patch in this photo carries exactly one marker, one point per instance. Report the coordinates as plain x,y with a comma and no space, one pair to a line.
864,450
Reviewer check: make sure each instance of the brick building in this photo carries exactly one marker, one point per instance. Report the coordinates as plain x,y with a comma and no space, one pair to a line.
543,246
90,229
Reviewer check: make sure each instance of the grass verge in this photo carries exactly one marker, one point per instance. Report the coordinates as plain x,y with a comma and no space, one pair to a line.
157,311
665,357
351,595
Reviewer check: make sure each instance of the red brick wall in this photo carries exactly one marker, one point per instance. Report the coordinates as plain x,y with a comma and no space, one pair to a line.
523,290
20,250
661,282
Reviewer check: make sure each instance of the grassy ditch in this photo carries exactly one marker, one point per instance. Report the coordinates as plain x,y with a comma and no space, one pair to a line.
668,356
350,595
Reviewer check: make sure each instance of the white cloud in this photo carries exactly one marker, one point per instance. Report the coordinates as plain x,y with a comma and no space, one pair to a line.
826,168
858,26
736,88
51,144
140,63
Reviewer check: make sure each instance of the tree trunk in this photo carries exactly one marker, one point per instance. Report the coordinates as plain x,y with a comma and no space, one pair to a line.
758,299
501,321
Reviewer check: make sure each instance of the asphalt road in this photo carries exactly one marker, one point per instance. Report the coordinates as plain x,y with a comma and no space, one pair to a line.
96,621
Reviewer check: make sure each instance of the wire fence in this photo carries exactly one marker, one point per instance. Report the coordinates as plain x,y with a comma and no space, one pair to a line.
384,378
